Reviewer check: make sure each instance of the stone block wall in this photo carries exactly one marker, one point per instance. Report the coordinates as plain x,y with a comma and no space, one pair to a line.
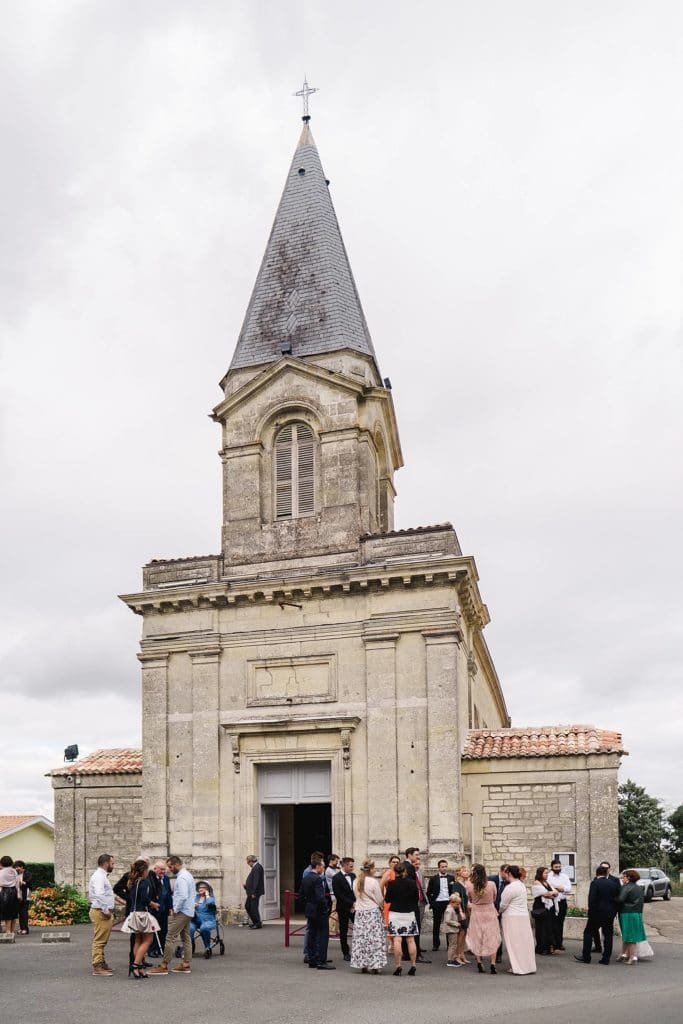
95,814
525,809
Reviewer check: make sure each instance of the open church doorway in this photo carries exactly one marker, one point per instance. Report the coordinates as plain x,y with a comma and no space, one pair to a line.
296,818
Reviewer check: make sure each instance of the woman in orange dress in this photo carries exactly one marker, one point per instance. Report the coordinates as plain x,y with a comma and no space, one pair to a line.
483,931
388,876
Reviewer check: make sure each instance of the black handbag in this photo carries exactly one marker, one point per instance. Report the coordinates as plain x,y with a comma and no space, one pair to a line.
538,910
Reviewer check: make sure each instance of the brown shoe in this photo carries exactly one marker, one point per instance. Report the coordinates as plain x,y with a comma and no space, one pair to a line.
182,968
161,968
101,971
107,967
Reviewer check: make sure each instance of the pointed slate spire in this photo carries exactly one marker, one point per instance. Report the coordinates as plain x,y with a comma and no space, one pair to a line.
305,299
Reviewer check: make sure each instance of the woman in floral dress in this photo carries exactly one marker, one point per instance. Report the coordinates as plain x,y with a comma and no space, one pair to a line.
368,945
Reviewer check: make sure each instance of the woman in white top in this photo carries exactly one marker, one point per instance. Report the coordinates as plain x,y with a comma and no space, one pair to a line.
543,911
514,917
368,945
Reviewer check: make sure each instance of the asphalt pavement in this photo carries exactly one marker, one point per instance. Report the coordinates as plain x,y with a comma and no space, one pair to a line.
260,981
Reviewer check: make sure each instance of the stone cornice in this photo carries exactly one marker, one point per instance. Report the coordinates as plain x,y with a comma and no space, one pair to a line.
310,370
460,571
249,725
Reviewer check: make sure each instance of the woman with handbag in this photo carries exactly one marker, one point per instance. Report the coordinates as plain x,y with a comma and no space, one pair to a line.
140,922
543,911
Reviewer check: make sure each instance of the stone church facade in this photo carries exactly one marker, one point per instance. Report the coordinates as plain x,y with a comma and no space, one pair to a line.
324,681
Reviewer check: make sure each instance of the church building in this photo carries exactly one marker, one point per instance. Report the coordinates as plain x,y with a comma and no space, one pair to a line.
323,682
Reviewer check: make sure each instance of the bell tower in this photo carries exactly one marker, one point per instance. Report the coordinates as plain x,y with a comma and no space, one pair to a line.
309,437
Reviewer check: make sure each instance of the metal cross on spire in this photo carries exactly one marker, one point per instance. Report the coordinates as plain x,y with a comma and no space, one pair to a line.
305,92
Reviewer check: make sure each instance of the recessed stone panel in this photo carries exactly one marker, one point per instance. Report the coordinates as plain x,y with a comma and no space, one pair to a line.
302,680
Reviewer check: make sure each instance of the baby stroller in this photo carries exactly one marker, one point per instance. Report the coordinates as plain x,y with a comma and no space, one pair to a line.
216,941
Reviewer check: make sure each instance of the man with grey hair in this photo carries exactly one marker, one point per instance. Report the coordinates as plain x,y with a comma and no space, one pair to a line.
255,889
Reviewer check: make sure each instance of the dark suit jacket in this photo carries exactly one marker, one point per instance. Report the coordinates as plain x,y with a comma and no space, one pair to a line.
162,892
500,884
434,887
254,884
602,903
314,892
412,873
342,890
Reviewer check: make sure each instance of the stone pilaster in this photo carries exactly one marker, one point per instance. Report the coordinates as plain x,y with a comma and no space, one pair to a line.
382,767
155,754
443,745
205,760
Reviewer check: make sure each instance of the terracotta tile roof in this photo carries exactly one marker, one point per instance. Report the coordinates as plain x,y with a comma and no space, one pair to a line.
119,761
544,741
9,821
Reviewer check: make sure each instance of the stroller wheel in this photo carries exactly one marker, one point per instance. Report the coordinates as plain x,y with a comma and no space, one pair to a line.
222,946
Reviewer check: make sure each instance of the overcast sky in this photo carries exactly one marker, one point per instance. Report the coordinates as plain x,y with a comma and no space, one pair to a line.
507,178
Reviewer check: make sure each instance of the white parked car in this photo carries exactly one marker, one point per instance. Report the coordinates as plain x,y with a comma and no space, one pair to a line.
655,883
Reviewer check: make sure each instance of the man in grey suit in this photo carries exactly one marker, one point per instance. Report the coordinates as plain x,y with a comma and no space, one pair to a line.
254,888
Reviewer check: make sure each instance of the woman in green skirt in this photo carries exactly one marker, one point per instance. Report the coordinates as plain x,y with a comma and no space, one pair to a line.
630,901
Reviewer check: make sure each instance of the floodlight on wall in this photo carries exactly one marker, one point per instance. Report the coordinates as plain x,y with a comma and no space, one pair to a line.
71,753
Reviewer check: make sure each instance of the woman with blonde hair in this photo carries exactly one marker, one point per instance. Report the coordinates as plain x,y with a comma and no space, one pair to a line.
368,945
462,875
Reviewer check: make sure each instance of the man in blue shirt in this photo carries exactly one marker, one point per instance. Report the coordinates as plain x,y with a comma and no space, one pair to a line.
179,920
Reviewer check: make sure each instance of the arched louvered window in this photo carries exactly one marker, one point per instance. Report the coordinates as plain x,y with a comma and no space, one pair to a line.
294,472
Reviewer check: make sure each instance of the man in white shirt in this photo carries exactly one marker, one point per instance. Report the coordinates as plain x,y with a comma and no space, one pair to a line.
562,883
179,920
101,899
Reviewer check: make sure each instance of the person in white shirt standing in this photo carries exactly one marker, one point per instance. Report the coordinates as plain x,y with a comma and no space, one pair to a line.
101,899
179,921
562,883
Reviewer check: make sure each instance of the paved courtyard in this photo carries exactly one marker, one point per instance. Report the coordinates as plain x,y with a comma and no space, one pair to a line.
258,980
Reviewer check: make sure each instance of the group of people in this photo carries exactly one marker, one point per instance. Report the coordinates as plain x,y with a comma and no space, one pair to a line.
158,919
15,896
479,913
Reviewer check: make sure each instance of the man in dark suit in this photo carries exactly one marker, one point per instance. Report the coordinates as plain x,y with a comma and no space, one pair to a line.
342,887
317,911
440,888
602,909
500,881
412,866
254,888
616,887
161,905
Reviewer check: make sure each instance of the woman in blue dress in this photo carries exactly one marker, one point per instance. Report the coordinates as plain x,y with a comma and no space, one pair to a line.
204,916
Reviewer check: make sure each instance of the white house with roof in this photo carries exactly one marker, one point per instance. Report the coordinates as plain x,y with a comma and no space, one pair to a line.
27,837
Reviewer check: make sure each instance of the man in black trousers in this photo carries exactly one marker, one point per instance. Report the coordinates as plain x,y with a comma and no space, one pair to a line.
342,887
317,911
616,888
602,909
440,888
412,866
254,888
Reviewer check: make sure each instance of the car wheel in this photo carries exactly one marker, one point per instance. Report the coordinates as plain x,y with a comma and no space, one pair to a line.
649,893
667,894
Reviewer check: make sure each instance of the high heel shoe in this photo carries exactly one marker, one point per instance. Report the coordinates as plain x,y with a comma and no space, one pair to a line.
493,969
136,971
398,972
480,967
412,971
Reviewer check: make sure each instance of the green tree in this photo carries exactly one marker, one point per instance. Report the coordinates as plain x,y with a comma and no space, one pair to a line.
643,828
676,822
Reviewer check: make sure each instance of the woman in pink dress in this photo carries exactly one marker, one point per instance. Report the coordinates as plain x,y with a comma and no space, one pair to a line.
483,932
514,918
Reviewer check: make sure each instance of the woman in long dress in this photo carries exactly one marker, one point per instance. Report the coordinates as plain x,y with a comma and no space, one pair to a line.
630,901
514,919
543,911
462,873
483,931
369,944
388,876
